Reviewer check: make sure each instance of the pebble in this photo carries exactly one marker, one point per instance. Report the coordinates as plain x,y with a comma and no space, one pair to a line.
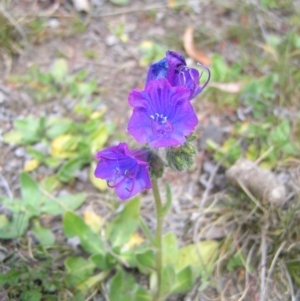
20,152
82,175
3,97
53,23
41,147
63,192
111,40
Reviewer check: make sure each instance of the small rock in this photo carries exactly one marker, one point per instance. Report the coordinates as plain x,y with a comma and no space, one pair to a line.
3,97
262,183
97,2
82,175
111,40
63,192
53,23
215,232
213,133
41,147
73,242
20,152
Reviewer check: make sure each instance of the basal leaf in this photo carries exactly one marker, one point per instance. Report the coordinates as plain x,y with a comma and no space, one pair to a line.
141,294
31,194
78,269
200,257
168,279
184,281
59,70
122,287
64,203
74,226
146,261
125,224
44,235
16,227
170,248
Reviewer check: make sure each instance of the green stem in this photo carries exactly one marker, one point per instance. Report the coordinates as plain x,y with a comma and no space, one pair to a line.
158,236
146,231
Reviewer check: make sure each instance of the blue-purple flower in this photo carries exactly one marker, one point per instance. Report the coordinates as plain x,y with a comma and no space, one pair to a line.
173,67
163,115
125,170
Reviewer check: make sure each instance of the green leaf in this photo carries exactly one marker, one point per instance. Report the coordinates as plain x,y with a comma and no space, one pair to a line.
74,226
30,193
237,260
68,170
141,294
14,137
199,257
103,261
16,227
170,248
31,295
280,135
50,183
59,70
87,88
146,261
121,287
184,281
44,235
36,154
79,269
64,203
52,162
98,138
59,127
14,205
219,69
125,224
31,129
168,279
89,283
120,2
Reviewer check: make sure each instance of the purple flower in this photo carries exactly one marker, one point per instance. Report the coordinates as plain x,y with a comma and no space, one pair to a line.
174,68
125,170
163,115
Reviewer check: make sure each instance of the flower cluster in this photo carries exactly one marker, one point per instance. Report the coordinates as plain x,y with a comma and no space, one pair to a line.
163,116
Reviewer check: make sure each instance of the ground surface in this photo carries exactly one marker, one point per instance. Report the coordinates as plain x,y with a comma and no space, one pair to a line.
107,44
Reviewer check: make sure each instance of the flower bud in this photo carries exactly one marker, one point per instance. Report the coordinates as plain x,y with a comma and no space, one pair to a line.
181,157
156,165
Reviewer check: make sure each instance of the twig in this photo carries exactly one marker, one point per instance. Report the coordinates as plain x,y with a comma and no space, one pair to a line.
288,276
263,265
264,155
244,293
16,25
125,11
209,185
275,259
251,196
249,257
6,187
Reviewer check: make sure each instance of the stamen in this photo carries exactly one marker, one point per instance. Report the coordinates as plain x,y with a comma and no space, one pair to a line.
113,183
133,182
193,82
208,71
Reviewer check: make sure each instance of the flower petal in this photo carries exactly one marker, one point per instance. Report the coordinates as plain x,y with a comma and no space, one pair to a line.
168,118
124,169
157,70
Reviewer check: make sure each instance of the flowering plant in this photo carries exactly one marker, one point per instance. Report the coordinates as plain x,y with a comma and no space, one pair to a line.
163,117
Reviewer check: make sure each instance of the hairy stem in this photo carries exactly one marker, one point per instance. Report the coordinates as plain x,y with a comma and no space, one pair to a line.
158,237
